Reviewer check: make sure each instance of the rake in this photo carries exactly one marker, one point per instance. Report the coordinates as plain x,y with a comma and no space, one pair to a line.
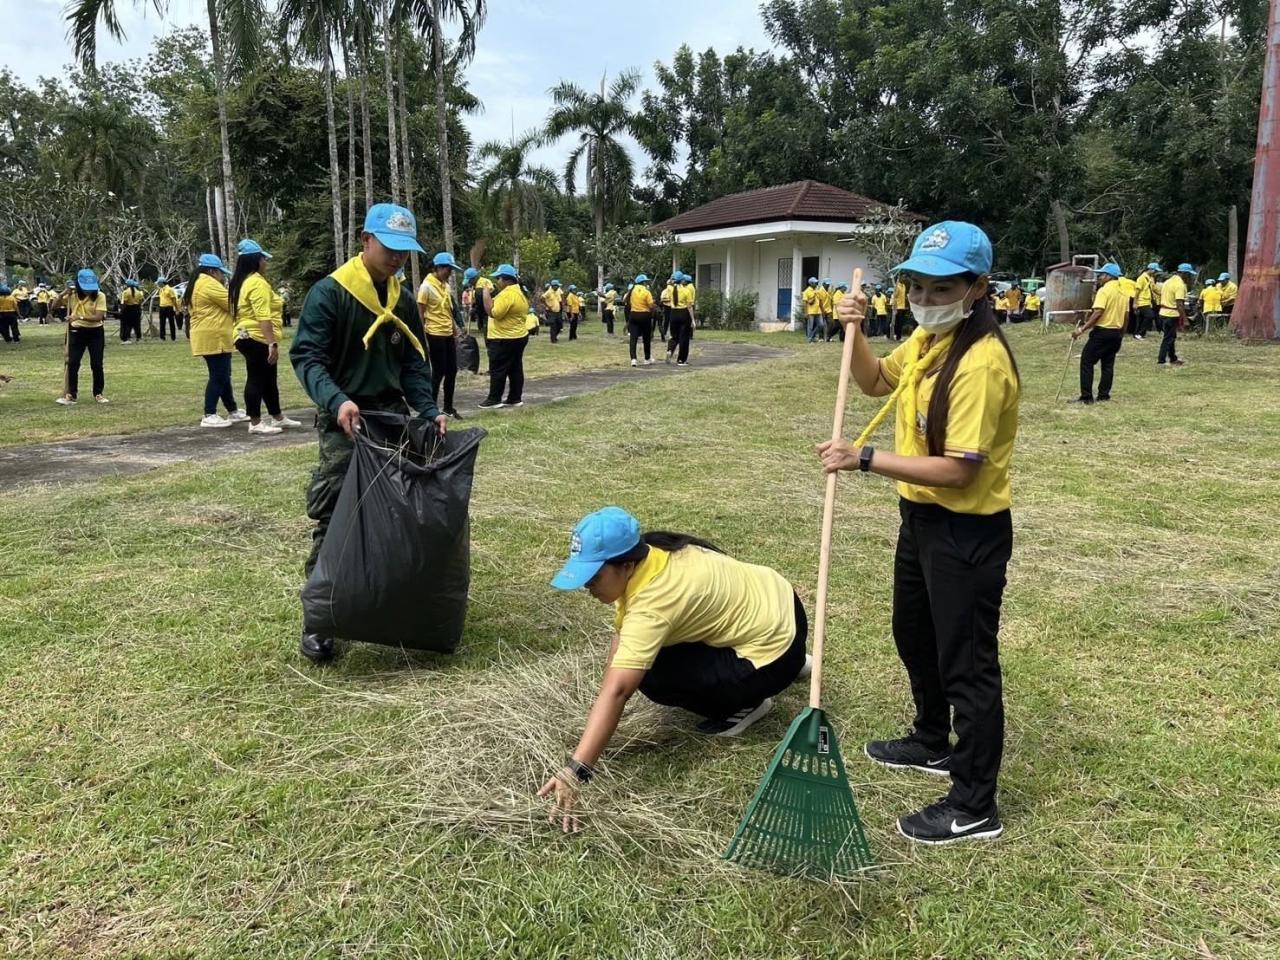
803,819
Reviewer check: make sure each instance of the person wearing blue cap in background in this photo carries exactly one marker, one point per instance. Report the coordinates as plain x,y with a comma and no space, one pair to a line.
359,346
131,312
880,308
440,320
1173,313
167,299
693,628
9,315
640,307
1229,292
666,302
1144,300
477,284
85,319
682,319
553,304
610,297
573,309
1105,326
825,304
258,313
211,332
508,336
812,310
955,434
1210,301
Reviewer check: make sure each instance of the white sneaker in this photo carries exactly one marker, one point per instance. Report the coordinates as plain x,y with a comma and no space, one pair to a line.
649,362
265,428
284,420
65,401
807,670
213,420
238,416
634,364
100,399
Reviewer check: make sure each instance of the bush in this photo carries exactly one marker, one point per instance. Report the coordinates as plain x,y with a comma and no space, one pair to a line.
740,310
711,308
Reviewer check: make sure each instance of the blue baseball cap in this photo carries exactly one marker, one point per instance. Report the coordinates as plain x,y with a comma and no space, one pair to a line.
505,270
470,274
843,286
248,248
445,260
162,279
608,286
813,279
86,279
131,282
1224,276
555,283
1110,269
642,278
600,536
1155,266
394,227
208,260
949,248
572,287
1210,282
826,281
1186,268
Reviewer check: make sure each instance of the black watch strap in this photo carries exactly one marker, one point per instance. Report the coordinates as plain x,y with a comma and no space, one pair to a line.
864,458
582,771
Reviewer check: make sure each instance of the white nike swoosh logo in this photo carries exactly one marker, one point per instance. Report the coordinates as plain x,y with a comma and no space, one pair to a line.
957,828
934,763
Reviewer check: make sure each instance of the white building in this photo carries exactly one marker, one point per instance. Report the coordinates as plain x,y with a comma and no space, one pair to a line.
771,241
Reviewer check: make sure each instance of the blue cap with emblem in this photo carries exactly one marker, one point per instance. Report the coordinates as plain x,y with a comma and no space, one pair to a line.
949,248
393,226
87,281
600,536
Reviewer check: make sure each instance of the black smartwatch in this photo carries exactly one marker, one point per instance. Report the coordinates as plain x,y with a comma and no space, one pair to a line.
582,771
864,458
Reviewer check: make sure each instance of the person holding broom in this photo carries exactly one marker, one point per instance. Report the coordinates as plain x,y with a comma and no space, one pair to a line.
693,628
955,388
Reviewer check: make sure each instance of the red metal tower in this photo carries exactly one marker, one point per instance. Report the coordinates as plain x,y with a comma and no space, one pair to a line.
1257,311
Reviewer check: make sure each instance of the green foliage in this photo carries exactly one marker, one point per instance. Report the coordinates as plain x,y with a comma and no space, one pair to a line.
538,252
569,271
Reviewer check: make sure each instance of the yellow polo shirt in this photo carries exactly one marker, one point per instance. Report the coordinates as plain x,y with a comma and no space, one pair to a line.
83,310
130,296
8,303
167,296
436,296
686,293
1144,290
610,298
1130,287
824,299
1211,298
668,295
1171,291
812,302
507,319
573,303
1033,302
641,299
1113,303
1015,298
210,325
880,303
1229,292
982,425
552,299
258,304
700,596
900,296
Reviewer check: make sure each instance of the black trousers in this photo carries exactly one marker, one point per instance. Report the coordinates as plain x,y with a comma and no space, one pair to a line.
24,309
92,339
640,327
1146,320
130,322
573,326
715,681
681,332
948,583
260,383
9,328
443,352
607,319
1168,343
664,321
901,317
42,311
167,316
1101,347
556,322
506,369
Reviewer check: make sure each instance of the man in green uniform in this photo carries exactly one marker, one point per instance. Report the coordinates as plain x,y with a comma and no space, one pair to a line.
359,347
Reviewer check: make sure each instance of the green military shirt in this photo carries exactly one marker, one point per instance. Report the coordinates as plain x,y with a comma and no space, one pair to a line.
329,355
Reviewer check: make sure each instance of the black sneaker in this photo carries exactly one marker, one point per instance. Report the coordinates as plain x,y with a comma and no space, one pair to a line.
944,822
515,404
1102,399
1085,400
453,414
317,649
488,404
909,754
737,723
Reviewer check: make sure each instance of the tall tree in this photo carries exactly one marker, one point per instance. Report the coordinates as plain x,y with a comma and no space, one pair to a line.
510,189
600,121
388,35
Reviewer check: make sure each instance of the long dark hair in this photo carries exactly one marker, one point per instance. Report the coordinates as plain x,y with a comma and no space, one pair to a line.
246,264
981,323
191,284
81,292
663,540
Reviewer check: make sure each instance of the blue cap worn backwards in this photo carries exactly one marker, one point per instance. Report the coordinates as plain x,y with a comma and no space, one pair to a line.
249,247
393,226
947,249
87,280
600,536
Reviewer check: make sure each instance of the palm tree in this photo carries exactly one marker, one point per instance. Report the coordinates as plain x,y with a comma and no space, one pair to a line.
511,190
234,34
600,120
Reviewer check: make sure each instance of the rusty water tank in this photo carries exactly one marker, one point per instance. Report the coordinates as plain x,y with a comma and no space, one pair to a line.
1069,287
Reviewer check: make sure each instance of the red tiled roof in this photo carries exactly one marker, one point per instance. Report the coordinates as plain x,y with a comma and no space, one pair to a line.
803,200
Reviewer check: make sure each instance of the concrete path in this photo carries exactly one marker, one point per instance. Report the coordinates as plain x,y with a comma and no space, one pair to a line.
139,452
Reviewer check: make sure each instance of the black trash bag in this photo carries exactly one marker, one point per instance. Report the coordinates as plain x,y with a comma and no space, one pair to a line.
468,354
395,565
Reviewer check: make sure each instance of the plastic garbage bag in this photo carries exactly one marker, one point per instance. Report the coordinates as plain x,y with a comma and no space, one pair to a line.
468,354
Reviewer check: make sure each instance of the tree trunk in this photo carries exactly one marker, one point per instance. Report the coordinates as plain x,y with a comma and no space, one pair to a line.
213,225
414,271
1064,238
391,103
366,138
228,200
1233,243
599,217
335,177
442,127
352,233
219,211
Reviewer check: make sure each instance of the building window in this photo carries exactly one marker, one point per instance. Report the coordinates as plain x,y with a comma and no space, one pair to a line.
710,276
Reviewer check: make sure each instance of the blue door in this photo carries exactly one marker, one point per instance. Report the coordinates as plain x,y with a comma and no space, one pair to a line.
784,288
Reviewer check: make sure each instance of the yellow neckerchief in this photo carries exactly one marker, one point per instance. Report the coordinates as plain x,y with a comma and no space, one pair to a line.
353,276
645,572
916,366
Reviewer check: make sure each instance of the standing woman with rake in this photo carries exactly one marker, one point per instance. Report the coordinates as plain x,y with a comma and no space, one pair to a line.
954,385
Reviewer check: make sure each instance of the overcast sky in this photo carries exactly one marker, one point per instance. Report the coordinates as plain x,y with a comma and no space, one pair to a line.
558,40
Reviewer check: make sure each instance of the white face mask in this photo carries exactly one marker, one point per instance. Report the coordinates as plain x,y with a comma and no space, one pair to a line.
940,319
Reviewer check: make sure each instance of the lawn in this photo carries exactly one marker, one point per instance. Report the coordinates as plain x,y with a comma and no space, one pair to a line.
176,783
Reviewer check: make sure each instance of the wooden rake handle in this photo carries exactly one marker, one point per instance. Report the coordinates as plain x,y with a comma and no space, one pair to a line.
829,514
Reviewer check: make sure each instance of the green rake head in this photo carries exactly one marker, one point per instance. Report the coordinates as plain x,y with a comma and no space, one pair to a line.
803,820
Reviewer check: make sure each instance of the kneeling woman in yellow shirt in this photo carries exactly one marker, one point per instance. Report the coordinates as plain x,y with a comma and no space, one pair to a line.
955,387
693,628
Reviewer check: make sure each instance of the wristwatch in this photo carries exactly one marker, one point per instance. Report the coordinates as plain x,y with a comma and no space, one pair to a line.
582,771
864,458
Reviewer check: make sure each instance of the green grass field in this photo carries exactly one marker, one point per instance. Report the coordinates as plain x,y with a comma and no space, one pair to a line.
175,783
